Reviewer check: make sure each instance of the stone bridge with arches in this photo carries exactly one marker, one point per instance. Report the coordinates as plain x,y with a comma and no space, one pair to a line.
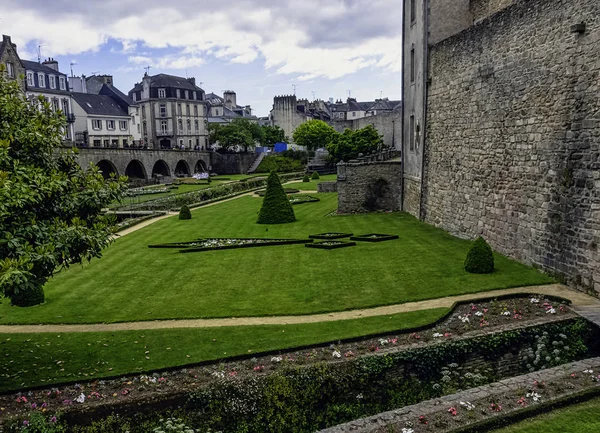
145,164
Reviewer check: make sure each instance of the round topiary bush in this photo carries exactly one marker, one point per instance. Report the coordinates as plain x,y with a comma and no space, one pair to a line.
184,213
315,176
28,296
276,208
306,178
480,258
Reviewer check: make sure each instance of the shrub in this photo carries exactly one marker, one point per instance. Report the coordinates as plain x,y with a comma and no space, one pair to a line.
27,296
184,213
306,178
276,208
480,259
315,176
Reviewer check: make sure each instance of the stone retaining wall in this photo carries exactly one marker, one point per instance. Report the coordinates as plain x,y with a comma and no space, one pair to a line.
327,187
513,136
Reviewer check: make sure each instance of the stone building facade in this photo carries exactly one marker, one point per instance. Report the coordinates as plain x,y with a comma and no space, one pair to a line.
510,131
9,59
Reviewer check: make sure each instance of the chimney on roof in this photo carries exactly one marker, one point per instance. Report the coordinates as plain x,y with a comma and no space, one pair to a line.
51,63
192,81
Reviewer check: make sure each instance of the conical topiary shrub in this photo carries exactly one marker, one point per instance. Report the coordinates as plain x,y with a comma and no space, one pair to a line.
480,258
276,208
306,178
315,175
184,213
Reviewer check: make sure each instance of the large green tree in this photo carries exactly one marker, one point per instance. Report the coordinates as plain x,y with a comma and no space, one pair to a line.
239,132
50,209
314,134
273,134
350,144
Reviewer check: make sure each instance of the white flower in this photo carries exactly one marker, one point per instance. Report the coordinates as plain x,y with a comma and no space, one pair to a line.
276,359
534,300
506,313
478,313
464,319
336,354
588,371
383,342
359,396
534,396
81,398
407,430
437,335
220,374
550,311
467,405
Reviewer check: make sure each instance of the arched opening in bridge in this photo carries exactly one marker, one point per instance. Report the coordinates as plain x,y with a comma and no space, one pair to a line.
135,170
200,167
182,169
161,169
107,168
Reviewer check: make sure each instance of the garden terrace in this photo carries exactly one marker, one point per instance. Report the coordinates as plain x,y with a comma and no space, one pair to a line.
426,264
415,355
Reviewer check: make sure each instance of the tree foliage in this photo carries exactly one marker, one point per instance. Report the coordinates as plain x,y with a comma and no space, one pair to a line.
480,258
50,209
276,207
314,134
239,132
350,144
273,134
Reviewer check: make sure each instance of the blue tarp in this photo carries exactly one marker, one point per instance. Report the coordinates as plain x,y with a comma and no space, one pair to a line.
281,147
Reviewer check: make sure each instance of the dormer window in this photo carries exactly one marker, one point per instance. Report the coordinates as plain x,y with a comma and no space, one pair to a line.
194,95
30,82
62,83
52,80
178,93
161,93
41,80
187,95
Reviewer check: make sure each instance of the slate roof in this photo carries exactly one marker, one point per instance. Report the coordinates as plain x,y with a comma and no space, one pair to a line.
100,105
165,80
38,67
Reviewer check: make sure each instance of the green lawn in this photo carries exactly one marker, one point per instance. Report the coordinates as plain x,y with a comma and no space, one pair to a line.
580,418
132,282
181,189
312,185
33,359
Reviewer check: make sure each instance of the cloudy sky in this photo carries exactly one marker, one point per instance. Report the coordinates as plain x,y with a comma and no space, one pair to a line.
259,48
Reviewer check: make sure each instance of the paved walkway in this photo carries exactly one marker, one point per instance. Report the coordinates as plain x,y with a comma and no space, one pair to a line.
578,299
590,312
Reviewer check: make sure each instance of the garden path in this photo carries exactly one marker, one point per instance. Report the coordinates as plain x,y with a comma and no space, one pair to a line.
578,300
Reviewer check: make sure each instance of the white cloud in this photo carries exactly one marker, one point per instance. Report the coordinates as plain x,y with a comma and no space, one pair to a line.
310,38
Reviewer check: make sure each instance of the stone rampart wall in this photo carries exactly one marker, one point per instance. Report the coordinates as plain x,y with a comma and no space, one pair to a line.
513,135
484,8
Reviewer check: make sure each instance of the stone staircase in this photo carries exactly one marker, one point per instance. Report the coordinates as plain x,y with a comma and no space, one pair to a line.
256,163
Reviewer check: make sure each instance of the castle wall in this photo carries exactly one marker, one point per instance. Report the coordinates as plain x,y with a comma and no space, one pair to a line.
286,116
513,136
448,17
484,8
388,124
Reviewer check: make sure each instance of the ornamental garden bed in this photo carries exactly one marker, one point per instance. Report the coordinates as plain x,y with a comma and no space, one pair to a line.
315,387
330,235
331,245
373,237
302,198
210,244
262,192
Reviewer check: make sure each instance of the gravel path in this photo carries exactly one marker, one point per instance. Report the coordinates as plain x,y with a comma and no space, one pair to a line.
577,298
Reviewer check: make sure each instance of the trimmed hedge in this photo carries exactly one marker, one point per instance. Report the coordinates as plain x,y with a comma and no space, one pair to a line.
480,258
315,175
306,178
184,213
276,208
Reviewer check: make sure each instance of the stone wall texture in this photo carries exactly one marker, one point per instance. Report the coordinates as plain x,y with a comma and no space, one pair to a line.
327,187
484,8
364,180
513,134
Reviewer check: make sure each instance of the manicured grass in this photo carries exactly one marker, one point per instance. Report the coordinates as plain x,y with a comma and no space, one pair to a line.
33,359
238,177
580,418
132,282
182,189
312,185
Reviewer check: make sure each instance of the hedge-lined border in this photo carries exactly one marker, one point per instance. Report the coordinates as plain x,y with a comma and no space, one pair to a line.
338,244
135,221
307,199
262,192
331,236
233,247
365,238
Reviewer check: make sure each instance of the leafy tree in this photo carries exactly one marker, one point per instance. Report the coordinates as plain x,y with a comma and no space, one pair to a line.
50,208
276,207
273,134
350,144
239,132
314,134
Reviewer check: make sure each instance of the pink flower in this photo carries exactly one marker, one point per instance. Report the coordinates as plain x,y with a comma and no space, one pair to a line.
473,307
259,368
33,405
349,354
53,419
423,420
447,334
25,423
452,411
125,391
162,379
394,340
233,373
22,399
67,402
485,310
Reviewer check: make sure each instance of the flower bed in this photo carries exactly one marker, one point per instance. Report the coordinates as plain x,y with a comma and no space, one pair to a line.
330,235
373,237
262,192
210,244
314,387
302,198
330,245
